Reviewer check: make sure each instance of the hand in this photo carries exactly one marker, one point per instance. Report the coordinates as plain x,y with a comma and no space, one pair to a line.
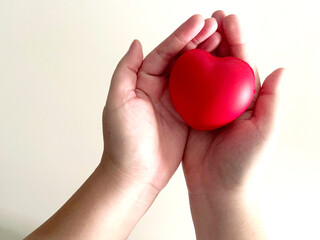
227,158
221,166
144,137
144,140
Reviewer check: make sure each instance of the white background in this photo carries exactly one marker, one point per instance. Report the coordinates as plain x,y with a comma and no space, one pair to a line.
56,61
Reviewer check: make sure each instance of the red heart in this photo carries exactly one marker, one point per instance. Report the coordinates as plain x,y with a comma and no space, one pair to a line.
209,92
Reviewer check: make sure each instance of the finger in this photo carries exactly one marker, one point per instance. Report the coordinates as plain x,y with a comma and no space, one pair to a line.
266,110
123,82
209,29
235,37
223,49
211,43
238,48
158,60
219,16
206,32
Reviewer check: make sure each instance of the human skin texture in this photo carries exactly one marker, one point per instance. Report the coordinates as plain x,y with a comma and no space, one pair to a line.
145,140
222,166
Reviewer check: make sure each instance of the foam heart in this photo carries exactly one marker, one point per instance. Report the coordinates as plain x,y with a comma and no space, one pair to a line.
209,92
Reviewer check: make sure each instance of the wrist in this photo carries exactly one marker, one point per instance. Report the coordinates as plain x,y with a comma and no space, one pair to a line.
108,205
223,201
134,189
226,215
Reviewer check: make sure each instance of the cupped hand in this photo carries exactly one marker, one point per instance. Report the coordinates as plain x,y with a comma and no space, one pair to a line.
229,158
144,137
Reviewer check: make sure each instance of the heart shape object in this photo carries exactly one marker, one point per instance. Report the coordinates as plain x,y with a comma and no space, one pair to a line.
209,92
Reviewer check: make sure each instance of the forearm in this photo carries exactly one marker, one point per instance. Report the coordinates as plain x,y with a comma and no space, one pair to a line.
107,206
226,216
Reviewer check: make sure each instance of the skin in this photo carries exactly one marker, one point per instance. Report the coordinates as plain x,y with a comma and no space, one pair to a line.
145,140
221,166
139,110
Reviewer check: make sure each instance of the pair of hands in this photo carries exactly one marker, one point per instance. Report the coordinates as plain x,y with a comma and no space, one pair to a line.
146,139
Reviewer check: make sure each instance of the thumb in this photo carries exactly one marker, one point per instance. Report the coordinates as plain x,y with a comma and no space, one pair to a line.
124,78
266,110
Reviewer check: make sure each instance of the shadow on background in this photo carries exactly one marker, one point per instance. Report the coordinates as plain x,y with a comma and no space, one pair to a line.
7,234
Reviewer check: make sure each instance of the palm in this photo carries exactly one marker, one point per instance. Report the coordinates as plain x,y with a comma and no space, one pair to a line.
219,158
167,132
